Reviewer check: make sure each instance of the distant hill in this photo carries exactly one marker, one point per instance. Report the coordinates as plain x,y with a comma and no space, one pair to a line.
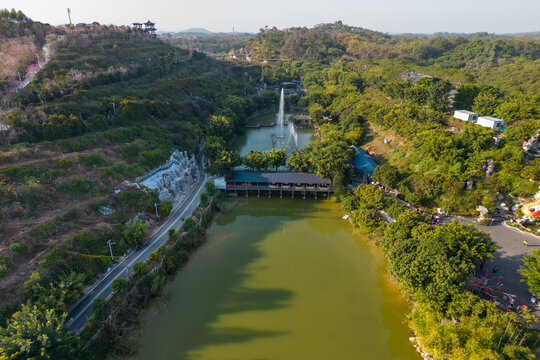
200,33
328,42
207,41
197,31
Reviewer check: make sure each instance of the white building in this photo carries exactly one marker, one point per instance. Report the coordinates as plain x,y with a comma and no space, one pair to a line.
466,115
490,122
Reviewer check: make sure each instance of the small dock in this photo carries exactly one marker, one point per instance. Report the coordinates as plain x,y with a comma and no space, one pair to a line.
268,183
258,126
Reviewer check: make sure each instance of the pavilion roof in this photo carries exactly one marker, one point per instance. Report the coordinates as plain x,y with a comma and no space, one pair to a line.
280,177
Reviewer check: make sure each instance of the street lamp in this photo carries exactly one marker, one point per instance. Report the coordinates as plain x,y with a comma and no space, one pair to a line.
156,205
113,107
110,248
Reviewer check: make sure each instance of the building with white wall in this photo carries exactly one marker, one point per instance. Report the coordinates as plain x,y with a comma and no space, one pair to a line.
490,122
466,115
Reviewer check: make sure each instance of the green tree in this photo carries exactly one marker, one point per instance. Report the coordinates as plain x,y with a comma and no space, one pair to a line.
487,102
276,157
135,233
465,96
299,160
316,111
255,160
220,126
531,271
368,219
387,175
32,333
99,306
224,164
140,270
164,208
56,295
119,285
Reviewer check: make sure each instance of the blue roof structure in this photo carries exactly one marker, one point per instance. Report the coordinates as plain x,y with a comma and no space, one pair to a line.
364,162
279,177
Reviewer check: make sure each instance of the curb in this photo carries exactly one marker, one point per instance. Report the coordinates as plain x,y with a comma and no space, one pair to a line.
519,230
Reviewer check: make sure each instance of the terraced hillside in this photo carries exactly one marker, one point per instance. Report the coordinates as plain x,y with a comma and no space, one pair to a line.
109,106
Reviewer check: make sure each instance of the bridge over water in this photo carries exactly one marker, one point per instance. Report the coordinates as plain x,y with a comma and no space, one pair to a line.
268,183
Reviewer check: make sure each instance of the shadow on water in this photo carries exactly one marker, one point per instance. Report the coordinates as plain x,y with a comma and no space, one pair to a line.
230,302
275,207
211,286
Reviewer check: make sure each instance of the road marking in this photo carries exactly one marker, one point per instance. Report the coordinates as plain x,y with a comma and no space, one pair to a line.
144,252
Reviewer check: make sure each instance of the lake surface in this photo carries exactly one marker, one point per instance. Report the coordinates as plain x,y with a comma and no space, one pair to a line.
279,279
265,138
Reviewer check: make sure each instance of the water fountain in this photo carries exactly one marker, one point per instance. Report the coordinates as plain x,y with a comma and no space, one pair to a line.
280,140
281,113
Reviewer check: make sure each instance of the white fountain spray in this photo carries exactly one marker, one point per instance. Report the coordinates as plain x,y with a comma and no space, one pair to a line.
281,113
293,134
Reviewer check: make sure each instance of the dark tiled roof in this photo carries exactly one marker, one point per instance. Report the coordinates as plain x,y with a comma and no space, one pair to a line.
364,162
280,177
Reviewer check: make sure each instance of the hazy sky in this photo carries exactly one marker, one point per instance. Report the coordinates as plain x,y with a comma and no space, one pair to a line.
393,16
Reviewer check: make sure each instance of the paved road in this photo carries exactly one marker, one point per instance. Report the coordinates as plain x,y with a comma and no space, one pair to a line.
508,257
83,309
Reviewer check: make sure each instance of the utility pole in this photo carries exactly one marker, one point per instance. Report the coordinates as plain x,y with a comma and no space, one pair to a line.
156,205
19,74
113,107
69,15
110,248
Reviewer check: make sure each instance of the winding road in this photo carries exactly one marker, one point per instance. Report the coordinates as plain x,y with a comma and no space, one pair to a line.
79,313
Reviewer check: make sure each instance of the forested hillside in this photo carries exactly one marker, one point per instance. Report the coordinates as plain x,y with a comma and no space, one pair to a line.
384,97
391,96
473,55
110,105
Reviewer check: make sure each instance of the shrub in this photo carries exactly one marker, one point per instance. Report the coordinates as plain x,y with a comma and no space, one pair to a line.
17,248
204,199
96,204
132,149
122,170
165,208
135,233
4,265
92,160
151,159
64,163
210,188
70,215
21,174
76,186
134,200
44,230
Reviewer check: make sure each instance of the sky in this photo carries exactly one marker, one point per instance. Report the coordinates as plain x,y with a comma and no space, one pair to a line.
390,16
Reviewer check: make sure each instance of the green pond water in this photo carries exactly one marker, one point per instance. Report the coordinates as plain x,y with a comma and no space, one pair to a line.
264,138
279,279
